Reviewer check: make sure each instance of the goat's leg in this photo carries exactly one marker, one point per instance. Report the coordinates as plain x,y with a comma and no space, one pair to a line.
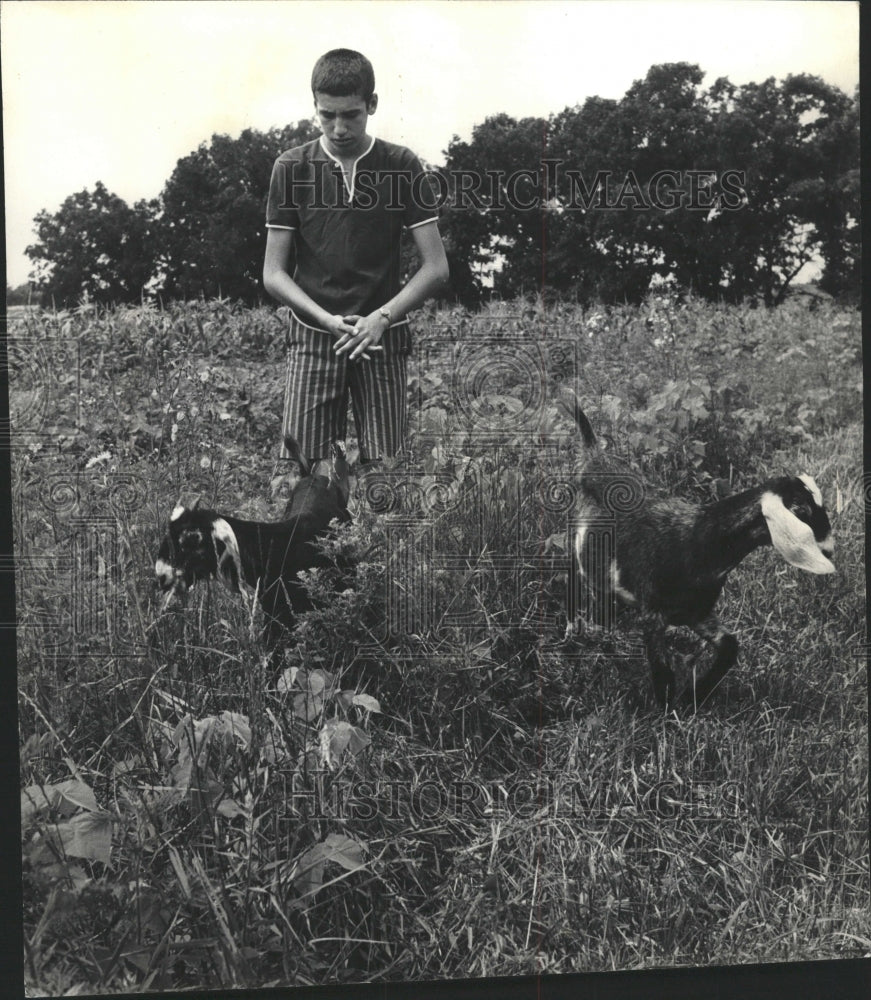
726,646
273,633
278,617
657,656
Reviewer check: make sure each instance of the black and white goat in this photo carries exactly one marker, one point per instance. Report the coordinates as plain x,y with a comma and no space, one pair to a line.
670,558
265,556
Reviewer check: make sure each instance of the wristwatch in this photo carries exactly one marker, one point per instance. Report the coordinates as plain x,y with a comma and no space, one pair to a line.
385,312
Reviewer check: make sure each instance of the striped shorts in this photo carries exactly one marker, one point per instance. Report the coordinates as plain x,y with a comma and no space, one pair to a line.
318,384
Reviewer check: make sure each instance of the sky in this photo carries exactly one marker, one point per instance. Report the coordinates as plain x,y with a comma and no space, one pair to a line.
120,91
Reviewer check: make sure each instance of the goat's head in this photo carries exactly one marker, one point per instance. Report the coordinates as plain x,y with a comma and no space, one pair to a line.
798,523
336,469
198,544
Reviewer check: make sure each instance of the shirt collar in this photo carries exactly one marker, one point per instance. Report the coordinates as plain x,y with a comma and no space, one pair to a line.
365,152
349,182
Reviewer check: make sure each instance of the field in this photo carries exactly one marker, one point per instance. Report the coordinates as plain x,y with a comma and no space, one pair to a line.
432,783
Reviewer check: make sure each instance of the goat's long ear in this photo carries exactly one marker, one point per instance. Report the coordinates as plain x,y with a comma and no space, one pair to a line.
291,446
340,469
792,538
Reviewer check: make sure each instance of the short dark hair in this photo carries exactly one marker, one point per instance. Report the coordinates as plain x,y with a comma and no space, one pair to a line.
341,72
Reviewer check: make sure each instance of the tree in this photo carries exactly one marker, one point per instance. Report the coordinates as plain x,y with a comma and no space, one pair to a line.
596,251
566,241
828,197
486,227
796,146
21,295
96,247
213,214
759,180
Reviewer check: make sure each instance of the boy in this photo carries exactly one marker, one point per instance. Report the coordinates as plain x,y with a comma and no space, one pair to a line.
341,202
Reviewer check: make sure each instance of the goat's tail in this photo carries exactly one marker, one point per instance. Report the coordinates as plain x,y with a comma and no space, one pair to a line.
570,403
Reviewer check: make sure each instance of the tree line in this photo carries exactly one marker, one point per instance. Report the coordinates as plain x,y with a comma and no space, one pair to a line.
725,192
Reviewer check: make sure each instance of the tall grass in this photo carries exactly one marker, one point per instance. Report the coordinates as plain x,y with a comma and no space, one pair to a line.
457,793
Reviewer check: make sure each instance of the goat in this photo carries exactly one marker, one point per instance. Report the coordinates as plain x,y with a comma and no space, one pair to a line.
265,556
671,558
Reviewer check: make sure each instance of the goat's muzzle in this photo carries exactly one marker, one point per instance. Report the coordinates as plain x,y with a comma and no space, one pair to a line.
171,582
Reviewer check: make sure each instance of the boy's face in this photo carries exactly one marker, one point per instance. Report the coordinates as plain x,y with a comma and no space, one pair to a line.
343,120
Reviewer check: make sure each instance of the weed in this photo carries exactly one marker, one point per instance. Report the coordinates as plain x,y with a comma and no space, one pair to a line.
428,786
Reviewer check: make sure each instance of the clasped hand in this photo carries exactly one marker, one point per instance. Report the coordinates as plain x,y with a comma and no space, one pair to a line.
359,335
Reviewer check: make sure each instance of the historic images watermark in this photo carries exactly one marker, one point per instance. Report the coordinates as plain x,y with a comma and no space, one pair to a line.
39,371
536,187
547,794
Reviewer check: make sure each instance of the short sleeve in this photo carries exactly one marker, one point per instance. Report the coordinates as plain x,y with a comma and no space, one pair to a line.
424,197
280,214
